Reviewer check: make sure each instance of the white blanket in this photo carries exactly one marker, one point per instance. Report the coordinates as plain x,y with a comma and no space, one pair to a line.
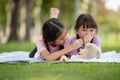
22,57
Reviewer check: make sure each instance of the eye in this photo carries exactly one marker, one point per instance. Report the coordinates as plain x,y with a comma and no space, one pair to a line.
84,30
91,30
61,39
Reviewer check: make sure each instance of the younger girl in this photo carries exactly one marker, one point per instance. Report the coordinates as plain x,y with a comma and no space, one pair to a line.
86,29
54,41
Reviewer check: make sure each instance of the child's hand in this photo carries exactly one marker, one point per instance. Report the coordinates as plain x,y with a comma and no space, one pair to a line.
81,50
87,38
54,12
64,58
76,44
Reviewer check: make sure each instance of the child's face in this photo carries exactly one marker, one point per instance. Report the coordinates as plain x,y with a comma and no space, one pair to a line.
61,39
82,32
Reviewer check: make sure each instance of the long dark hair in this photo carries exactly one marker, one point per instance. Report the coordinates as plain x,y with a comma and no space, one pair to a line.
51,30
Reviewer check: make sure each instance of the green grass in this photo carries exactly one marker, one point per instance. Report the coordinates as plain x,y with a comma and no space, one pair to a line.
111,47
28,46
110,42
17,46
60,71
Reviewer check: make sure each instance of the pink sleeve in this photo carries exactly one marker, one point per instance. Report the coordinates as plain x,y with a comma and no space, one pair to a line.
40,47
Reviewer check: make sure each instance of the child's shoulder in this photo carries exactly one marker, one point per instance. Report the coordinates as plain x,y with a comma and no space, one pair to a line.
97,37
73,38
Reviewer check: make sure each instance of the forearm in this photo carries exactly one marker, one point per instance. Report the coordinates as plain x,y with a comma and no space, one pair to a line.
55,55
58,54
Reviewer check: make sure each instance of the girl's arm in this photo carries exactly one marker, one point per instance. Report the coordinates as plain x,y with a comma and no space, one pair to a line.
55,55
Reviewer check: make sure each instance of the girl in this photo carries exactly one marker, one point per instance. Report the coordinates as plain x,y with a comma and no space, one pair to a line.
86,29
54,41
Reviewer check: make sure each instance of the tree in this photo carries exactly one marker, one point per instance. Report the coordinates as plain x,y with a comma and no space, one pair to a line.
3,18
25,19
14,6
37,21
67,15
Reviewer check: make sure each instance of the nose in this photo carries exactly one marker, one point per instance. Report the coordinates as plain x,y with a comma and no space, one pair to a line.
88,32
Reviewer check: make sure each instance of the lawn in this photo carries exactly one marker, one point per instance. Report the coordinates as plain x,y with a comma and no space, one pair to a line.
60,71
57,71
110,42
17,46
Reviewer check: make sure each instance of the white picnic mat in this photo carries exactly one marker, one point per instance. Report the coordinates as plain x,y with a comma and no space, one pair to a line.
22,57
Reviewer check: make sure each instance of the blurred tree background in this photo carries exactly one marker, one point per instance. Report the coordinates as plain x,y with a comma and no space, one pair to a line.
22,20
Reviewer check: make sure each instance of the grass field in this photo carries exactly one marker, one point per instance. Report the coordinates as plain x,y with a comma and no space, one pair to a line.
110,42
58,71
17,46
28,46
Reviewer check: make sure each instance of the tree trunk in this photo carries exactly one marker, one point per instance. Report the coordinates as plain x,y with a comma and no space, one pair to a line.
28,19
25,19
1,33
37,30
14,5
